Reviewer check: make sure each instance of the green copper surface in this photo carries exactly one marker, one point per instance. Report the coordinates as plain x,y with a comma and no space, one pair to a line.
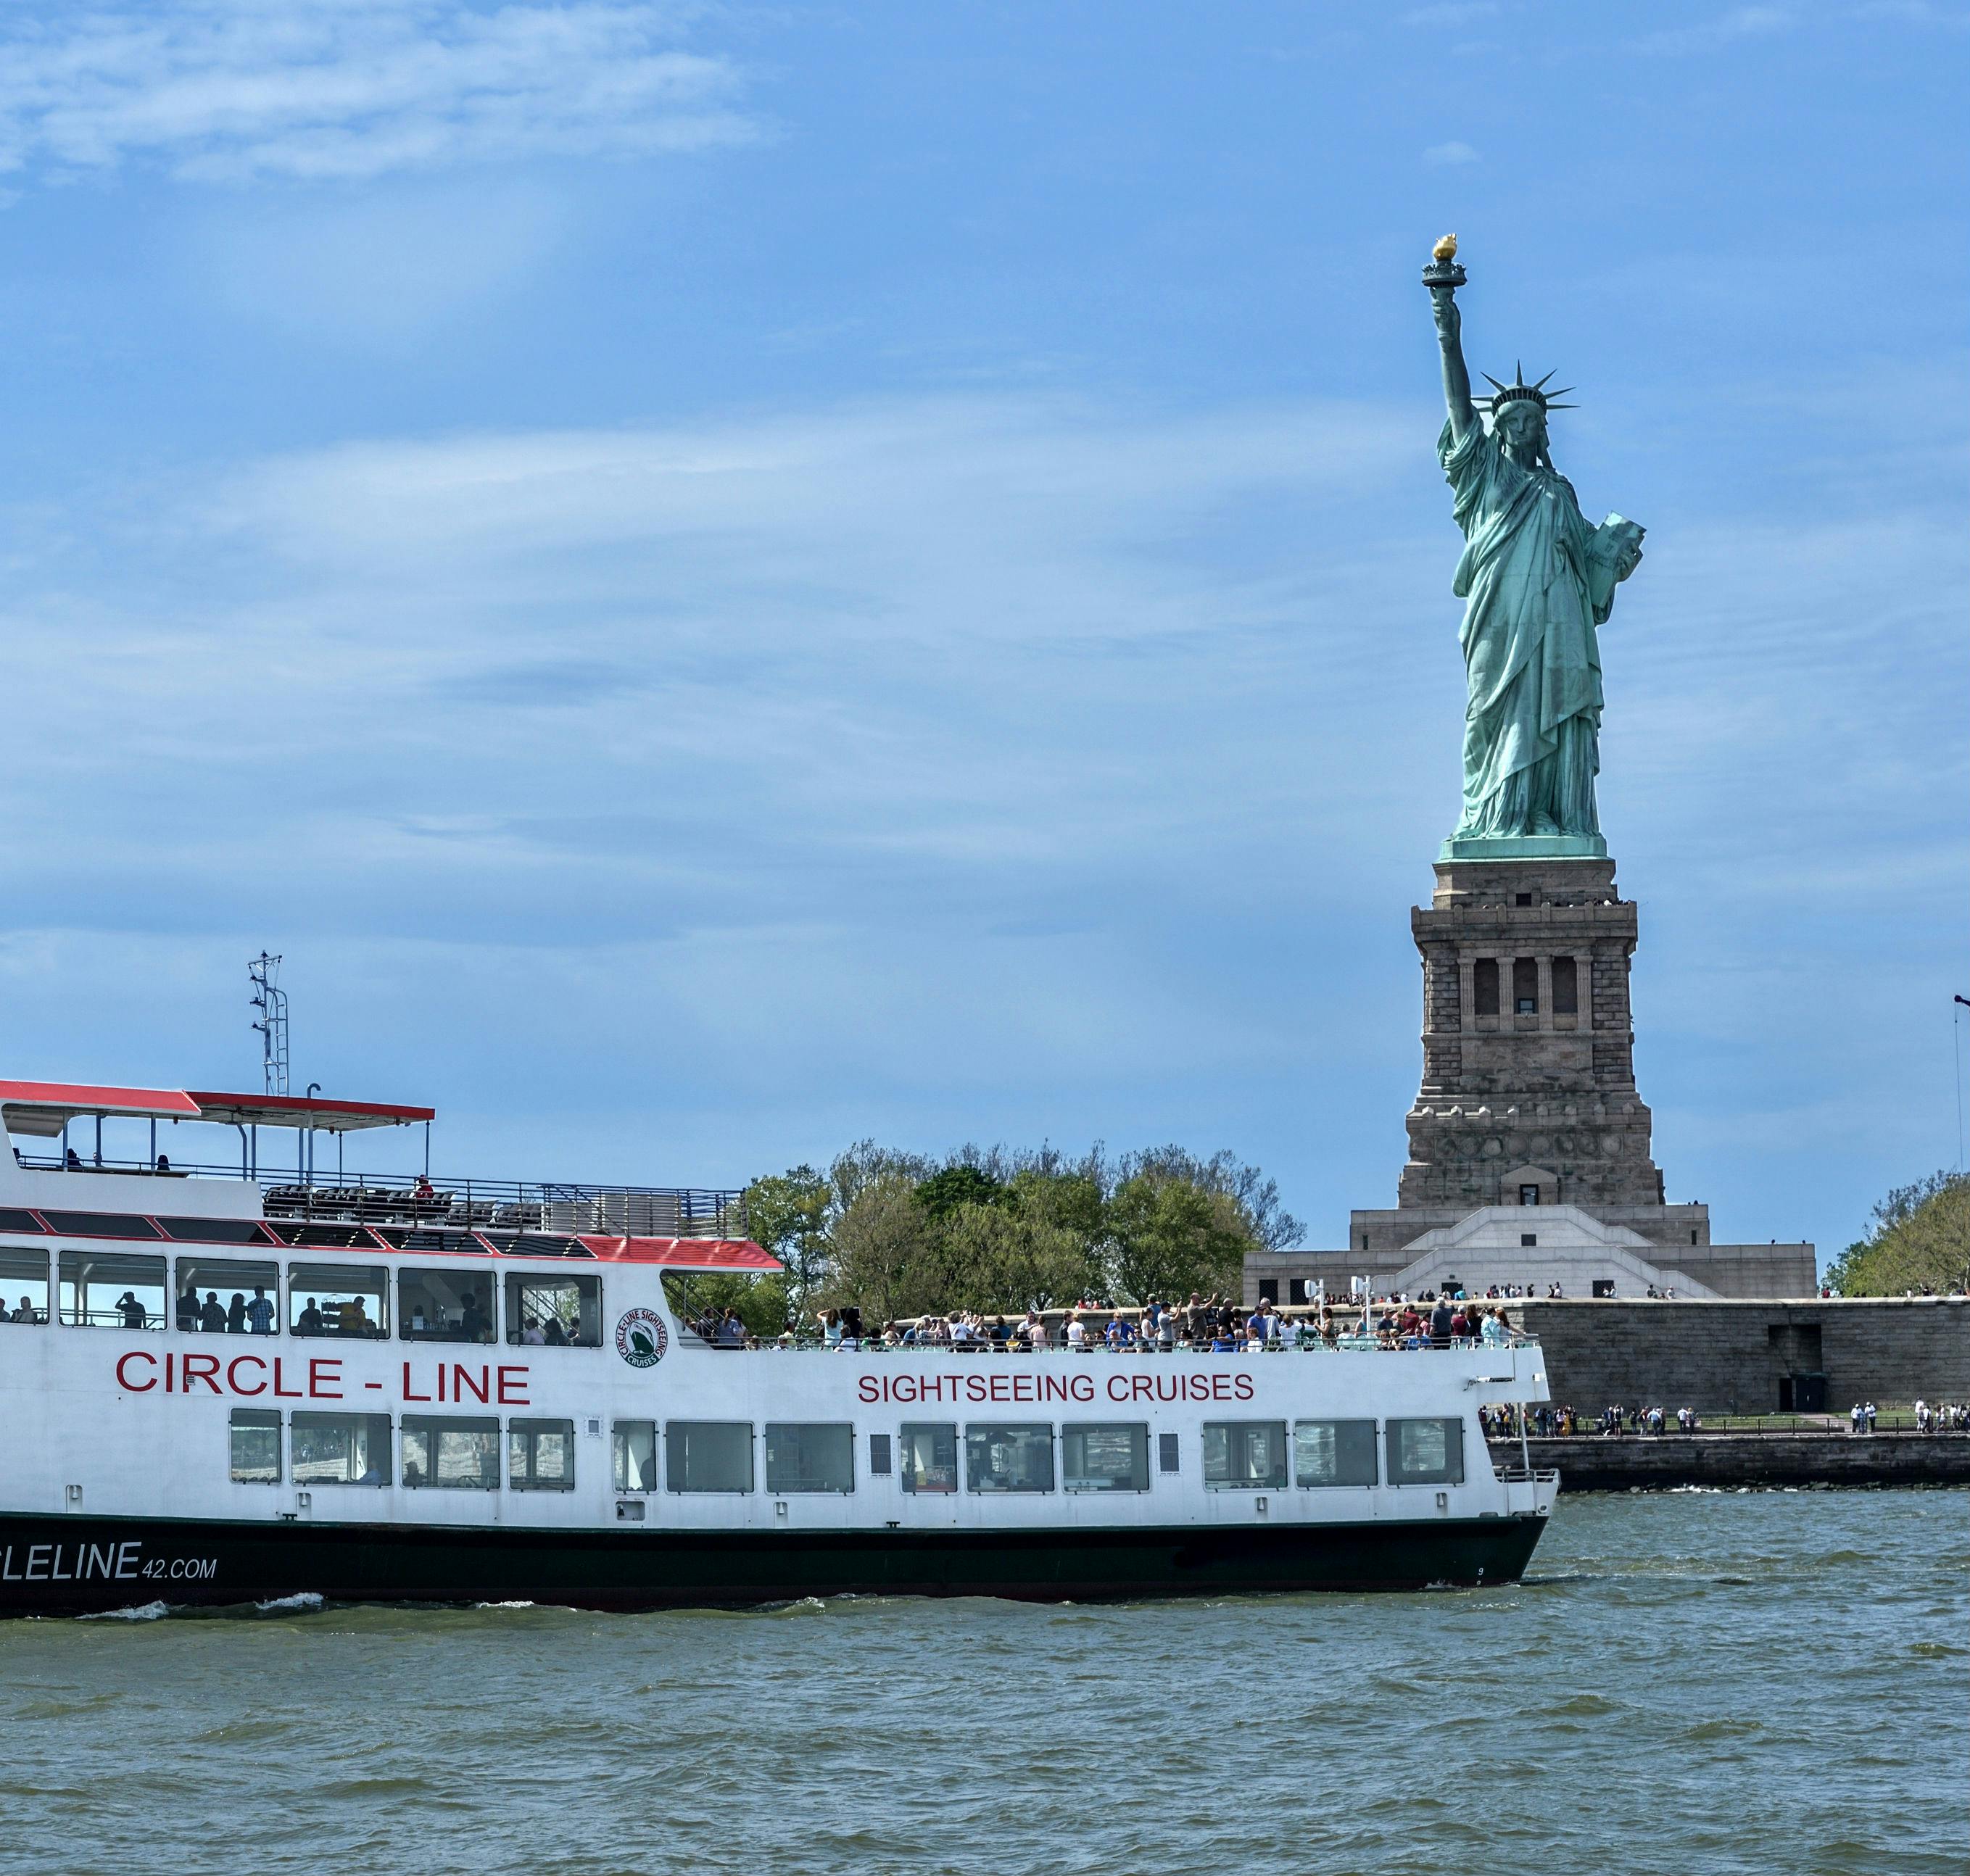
1525,847
1538,581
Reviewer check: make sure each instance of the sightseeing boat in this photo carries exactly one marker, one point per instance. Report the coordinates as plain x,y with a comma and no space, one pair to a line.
224,1384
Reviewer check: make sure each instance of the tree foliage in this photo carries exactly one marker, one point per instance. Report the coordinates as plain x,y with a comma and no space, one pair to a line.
998,1230
1919,1240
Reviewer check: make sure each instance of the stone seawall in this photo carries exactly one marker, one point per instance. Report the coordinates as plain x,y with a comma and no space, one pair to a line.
1591,1463
1735,1357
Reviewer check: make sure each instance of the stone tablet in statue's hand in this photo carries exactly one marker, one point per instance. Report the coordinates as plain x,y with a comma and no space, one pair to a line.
1622,540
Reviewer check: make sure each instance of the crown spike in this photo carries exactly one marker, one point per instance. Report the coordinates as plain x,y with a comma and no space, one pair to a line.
1542,385
1490,380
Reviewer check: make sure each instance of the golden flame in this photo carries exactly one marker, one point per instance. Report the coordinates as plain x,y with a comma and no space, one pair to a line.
1445,249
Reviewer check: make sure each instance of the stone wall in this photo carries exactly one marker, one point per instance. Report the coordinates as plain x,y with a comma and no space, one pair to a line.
1727,1460
1730,1357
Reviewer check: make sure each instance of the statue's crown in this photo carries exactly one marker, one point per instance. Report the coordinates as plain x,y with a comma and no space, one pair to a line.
1519,391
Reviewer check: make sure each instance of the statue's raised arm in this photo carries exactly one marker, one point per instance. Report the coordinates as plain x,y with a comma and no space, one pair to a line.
1443,276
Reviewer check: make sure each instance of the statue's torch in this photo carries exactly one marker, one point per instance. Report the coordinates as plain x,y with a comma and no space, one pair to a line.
1444,270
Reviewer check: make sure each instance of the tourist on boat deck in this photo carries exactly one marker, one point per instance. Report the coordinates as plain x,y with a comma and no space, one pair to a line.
355,1318
72,1161
310,1322
188,1308
26,1312
533,1335
235,1314
260,1313
163,1163
212,1317
472,1321
131,1310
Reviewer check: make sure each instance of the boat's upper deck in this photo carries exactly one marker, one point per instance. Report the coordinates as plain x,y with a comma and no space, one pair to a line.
108,1153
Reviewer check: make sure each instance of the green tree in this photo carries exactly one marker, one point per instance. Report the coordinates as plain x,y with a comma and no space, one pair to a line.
1001,1260
886,1258
1919,1240
1170,1236
790,1215
952,1186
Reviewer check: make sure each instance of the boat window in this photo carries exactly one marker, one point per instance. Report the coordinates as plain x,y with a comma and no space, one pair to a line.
100,1224
112,1290
554,1312
214,1230
708,1455
633,1455
416,1239
11,1219
928,1457
455,1452
1009,1457
223,1295
1426,1452
445,1306
1168,1447
540,1455
1334,1452
256,1446
812,1458
322,1237
339,1300
339,1448
534,1245
23,1286
881,1463
1244,1455
1105,1458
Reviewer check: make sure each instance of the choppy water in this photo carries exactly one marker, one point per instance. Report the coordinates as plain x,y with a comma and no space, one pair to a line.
1690,1682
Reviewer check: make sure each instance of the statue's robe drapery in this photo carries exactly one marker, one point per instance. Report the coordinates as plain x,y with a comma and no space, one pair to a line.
1538,579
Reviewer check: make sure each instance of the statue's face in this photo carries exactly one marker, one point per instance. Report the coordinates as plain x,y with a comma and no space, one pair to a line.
1520,424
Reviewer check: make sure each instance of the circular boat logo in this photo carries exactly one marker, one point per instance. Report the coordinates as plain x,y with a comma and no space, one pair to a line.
641,1338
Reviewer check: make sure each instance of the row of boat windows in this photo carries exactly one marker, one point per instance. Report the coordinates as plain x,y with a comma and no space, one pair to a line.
462,1451
243,1296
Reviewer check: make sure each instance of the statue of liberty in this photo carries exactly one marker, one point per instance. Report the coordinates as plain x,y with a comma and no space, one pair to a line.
1538,580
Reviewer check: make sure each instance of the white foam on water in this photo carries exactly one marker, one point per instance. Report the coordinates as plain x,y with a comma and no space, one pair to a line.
143,1612
305,1599
506,1606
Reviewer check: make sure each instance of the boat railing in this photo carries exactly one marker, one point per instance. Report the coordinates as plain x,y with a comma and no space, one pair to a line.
569,1206
1525,1475
692,1336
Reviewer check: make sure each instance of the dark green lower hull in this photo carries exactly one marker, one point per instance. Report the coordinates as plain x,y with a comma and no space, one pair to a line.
75,1565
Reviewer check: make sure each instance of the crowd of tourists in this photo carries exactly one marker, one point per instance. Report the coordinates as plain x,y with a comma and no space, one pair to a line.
1201,1325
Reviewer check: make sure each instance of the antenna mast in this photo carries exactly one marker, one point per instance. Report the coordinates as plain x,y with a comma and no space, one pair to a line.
271,1001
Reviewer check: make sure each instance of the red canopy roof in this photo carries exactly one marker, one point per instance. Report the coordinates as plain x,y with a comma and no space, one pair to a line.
40,1107
697,1254
334,1117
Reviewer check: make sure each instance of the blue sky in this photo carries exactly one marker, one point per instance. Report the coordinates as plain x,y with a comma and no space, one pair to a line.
723,579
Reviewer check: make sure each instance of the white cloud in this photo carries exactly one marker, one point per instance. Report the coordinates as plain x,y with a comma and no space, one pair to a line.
1450,154
232,89
1725,28
1451,13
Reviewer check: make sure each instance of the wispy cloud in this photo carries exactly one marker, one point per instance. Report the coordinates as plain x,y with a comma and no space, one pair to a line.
1738,23
1443,154
233,90
1451,13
